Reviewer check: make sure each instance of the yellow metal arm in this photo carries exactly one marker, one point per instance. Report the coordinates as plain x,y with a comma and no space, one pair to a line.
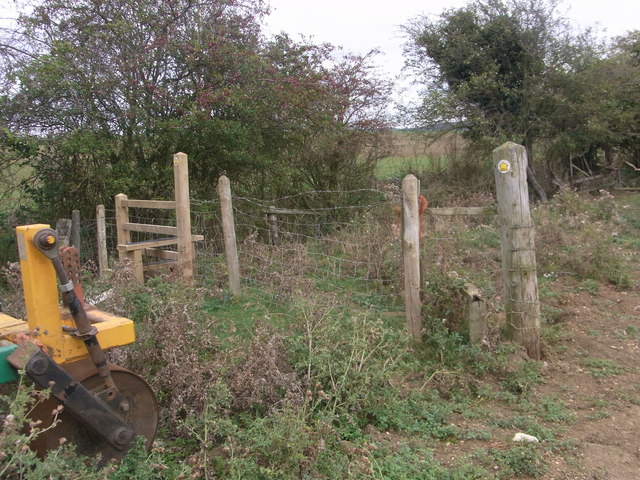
44,316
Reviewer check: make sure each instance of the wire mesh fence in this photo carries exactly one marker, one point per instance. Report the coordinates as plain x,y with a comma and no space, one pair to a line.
335,242
339,249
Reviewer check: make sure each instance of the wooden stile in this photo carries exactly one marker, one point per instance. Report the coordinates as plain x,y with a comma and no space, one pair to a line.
179,235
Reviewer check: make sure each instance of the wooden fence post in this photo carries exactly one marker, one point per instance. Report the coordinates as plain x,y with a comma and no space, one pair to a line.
518,249
122,217
63,228
411,256
101,240
124,237
229,233
75,229
272,221
476,314
183,215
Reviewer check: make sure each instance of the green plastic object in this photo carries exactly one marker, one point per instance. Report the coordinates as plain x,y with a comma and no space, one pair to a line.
7,372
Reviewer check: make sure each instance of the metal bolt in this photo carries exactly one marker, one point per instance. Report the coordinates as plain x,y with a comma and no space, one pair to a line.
38,366
46,241
124,406
122,436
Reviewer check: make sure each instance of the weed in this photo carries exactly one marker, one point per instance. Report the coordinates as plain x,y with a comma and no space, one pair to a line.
406,463
420,412
553,410
176,349
477,435
599,415
590,286
598,403
264,376
599,367
139,464
516,461
552,335
523,380
580,231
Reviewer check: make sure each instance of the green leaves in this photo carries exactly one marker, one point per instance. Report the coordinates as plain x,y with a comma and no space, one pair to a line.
112,90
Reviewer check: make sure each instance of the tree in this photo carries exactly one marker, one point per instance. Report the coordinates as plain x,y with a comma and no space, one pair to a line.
488,68
595,123
110,90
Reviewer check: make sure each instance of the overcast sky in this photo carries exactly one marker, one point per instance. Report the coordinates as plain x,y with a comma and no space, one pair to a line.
361,25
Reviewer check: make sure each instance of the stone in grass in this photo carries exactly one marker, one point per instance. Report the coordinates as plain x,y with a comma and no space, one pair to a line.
523,437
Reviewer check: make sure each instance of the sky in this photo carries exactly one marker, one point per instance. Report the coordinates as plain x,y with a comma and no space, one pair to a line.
359,26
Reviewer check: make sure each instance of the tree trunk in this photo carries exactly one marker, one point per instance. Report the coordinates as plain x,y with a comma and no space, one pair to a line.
531,175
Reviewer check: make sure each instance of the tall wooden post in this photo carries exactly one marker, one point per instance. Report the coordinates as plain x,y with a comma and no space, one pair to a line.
411,256
518,249
183,215
124,238
75,228
63,227
101,240
229,232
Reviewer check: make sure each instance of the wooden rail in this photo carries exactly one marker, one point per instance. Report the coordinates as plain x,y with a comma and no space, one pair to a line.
450,211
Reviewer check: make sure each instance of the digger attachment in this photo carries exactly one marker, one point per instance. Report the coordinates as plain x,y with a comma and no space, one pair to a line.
105,406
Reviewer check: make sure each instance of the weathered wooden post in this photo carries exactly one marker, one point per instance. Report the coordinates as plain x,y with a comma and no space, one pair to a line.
518,249
124,237
476,312
75,229
411,256
183,215
63,228
272,220
101,240
229,233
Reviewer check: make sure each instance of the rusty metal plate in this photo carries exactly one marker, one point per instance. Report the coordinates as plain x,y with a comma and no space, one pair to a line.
70,258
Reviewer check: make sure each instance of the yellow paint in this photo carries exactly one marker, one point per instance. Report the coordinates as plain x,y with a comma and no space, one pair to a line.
10,325
40,291
43,308
504,166
112,333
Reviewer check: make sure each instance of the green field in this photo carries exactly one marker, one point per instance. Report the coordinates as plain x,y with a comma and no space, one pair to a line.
419,153
398,167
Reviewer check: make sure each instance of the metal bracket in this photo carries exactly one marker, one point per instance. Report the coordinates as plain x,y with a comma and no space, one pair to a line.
90,409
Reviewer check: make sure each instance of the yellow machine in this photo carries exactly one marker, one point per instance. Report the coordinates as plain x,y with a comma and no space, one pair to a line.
62,348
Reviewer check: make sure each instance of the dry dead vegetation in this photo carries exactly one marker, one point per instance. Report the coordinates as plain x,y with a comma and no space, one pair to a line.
292,381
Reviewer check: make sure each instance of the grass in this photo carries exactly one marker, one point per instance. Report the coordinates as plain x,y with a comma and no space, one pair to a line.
419,153
398,167
600,367
305,376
